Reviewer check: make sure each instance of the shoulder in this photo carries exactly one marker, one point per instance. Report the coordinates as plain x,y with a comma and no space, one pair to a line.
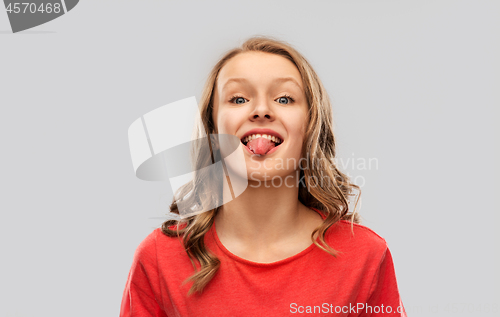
157,244
147,247
158,238
356,229
352,237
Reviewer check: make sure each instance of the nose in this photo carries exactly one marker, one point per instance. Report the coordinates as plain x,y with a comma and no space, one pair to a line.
262,111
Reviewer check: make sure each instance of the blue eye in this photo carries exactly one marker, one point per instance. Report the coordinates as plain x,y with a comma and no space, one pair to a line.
237,100
240,100
285,100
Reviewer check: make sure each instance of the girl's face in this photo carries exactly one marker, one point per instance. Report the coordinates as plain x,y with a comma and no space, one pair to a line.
257,90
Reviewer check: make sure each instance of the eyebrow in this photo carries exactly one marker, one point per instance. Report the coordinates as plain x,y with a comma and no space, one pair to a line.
277,80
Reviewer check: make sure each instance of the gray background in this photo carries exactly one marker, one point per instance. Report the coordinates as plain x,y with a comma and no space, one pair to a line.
414,84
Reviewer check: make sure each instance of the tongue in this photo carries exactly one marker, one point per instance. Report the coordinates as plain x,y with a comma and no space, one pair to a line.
260,145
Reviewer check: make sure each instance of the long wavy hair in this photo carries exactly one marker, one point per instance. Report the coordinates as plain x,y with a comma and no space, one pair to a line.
319,144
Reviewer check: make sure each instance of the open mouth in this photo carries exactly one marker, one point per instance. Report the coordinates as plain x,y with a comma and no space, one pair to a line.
261,144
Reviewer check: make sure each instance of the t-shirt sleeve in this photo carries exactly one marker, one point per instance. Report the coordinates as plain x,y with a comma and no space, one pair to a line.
385,299
139,298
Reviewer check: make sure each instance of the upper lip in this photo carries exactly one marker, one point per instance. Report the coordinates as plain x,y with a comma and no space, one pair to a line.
262,131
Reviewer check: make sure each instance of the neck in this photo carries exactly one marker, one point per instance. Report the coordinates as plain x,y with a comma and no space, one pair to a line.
262,214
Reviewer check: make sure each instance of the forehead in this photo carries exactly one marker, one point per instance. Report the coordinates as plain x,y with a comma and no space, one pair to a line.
257,67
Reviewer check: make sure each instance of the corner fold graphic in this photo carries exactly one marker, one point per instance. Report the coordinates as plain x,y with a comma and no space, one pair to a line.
27,15
70,4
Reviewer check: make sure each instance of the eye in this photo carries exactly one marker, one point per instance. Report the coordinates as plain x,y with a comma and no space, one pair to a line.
284,100
237,100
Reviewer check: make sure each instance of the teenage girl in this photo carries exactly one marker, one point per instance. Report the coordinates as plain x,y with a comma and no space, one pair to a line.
290,243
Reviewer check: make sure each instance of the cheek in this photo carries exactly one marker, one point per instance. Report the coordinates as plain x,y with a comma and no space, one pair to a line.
299,125
297,128
223,123
220,121
230,120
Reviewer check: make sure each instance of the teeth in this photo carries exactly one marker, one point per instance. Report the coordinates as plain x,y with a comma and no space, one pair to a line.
269,137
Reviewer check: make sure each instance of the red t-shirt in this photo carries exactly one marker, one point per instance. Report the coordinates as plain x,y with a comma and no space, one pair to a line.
360,282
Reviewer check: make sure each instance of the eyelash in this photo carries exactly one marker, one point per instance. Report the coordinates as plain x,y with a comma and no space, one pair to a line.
286,96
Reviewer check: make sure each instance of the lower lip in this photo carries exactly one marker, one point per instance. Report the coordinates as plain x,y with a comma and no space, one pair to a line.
274,149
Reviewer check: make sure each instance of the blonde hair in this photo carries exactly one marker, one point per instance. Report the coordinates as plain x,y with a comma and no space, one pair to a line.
319,143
